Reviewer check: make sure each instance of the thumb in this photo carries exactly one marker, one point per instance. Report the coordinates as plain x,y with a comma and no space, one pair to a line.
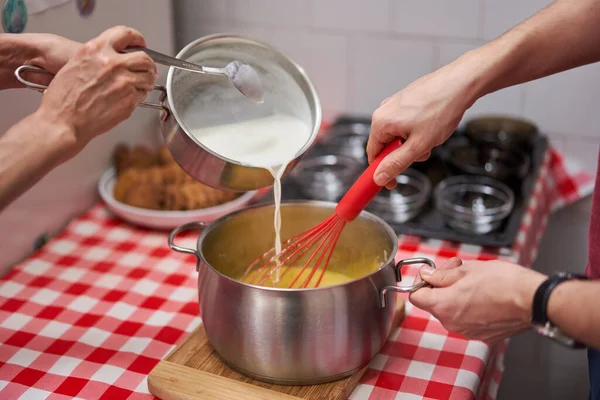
396,162
443,277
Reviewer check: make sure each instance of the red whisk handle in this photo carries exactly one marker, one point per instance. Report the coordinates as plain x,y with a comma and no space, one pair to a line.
364,189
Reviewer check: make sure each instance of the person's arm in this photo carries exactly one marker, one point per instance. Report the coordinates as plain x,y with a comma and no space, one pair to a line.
493,300
28,150
564,35
48,51
71,114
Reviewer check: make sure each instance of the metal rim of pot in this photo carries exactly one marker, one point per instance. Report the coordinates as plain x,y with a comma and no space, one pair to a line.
205,230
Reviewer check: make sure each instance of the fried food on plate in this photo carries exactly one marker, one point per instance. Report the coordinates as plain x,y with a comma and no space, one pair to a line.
155,181
194,195
133,157
165,157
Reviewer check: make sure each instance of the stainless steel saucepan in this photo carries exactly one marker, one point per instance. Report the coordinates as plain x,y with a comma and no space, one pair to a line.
296,336
190,101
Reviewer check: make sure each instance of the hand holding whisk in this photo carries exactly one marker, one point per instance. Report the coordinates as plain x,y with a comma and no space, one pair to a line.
319,241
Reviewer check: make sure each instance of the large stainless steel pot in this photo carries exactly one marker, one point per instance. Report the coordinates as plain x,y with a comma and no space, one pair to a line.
296,336
193,101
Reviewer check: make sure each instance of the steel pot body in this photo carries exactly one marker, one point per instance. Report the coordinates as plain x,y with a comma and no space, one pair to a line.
295,336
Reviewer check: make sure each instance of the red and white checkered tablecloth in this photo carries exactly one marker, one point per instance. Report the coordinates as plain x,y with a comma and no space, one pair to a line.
90,314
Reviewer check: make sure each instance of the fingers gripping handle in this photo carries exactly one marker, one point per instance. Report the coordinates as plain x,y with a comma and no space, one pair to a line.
364,189
42,88
410,288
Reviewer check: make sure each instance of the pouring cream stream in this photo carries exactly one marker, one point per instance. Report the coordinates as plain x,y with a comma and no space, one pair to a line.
270,143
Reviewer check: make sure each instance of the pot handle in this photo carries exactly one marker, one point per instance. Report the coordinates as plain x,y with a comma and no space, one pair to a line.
197,226
42,88
405,289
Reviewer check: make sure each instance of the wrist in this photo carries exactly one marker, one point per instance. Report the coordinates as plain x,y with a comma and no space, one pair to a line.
469,78
548,318
527,287
38,46
484,69
556,298
59,136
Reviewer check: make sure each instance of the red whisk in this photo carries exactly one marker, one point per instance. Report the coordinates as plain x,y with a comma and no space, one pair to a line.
323,236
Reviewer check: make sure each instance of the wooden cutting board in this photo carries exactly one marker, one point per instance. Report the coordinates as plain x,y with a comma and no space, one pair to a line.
194,371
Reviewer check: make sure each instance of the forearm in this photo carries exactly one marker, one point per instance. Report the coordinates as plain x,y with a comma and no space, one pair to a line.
29,150
573,307
564,35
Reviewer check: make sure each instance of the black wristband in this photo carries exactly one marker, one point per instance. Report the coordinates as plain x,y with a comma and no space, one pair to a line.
539,309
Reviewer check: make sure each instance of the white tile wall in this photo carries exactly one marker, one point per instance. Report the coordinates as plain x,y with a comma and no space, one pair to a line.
454,18
360,52
324,56
372,15
567,102
584,151
500,16
203,11
381,66
269,12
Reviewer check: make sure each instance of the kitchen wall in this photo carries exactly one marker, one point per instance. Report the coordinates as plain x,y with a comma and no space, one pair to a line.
359,52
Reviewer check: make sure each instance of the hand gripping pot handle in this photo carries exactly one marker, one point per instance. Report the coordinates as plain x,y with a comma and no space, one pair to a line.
42,88
405,289
196,226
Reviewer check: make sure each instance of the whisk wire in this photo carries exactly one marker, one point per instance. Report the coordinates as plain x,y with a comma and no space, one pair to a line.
301,242
331,248
302,246
328,247
329,231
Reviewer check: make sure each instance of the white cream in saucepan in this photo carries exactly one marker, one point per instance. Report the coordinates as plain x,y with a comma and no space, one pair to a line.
270,143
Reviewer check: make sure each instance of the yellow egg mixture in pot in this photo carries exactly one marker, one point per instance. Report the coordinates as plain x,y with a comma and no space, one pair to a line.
237,242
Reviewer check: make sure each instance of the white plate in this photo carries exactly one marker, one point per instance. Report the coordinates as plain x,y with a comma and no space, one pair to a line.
158,219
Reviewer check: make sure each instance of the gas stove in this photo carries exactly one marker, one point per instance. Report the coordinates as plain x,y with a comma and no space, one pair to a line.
468,191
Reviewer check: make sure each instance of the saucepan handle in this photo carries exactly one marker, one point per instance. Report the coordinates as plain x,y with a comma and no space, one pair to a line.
405,289
196,226
164,59
42,88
